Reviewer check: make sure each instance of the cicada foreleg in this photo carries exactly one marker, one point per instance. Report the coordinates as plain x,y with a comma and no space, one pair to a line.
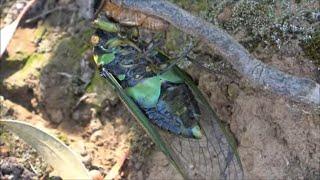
184,55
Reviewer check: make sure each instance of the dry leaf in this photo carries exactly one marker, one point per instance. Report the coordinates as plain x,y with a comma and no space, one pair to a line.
54,152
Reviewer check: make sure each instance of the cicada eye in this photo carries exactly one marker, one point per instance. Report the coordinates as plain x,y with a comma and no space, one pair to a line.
95,40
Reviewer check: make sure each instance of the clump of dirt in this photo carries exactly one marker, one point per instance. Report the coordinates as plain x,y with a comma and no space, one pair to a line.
18,160
11,169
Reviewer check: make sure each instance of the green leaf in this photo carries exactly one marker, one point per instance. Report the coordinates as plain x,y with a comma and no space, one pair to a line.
106,58
55,152
147,92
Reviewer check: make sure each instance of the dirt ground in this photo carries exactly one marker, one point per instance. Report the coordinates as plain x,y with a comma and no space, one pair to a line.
48,79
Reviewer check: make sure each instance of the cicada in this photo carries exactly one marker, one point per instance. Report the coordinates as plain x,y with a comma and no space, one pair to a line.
166,102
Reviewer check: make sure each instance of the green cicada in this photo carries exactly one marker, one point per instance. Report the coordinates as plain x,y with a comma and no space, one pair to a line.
167,103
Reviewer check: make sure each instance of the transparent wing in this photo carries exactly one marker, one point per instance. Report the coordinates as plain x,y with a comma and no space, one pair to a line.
213,156
210,157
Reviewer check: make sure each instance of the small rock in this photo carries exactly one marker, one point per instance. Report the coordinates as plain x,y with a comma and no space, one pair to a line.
138,165
94,125
20,5
140,175
4,151
86,160
233,91
55,178
83,151
56,116
96,175
99,143
34,102
96,136
225,15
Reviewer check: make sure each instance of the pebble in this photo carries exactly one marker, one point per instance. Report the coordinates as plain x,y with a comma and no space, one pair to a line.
4,151
140,175
86,160
55,178
137,165
96,175
94,125
233,91
20,5
96,136
99,143
83,151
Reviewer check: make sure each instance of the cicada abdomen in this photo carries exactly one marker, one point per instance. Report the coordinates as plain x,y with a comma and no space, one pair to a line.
167,99
133,18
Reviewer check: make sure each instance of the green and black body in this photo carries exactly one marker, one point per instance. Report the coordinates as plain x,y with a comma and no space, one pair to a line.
167,103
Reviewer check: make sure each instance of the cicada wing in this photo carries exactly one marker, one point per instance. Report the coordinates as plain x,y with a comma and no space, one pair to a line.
214,155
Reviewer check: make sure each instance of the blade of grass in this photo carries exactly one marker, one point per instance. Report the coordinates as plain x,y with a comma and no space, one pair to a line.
54,151
8,31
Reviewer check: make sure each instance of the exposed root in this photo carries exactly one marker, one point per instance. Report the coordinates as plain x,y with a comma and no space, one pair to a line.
297,88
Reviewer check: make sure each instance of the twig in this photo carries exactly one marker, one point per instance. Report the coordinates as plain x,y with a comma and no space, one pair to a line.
25,9
42,15
115,170
297,88
99,9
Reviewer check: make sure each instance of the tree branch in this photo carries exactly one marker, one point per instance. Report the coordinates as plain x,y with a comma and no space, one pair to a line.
297,88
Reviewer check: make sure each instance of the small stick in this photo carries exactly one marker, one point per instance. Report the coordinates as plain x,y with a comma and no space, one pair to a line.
42,15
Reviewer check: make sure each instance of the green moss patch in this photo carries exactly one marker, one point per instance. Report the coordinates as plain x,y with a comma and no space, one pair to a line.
32,66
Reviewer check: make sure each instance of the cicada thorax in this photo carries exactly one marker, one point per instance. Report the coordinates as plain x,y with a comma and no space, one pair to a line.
133,18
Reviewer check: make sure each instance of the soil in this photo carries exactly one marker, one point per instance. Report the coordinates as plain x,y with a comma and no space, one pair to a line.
50,81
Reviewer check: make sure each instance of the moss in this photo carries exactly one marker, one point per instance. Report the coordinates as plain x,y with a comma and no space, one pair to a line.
18,57
4,136
102,89
192,5
31,67
69,51
297,1
39,33
312,48
63,138
175,39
